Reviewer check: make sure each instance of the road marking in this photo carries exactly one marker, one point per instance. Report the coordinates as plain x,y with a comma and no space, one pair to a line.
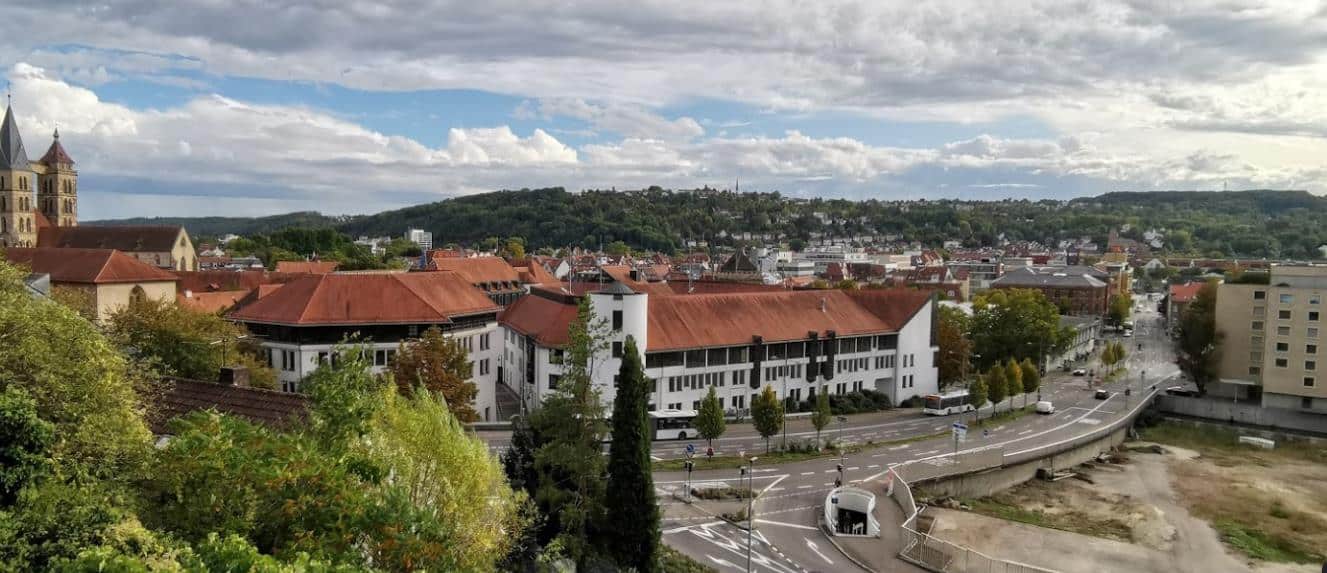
767,488
1089,421
686,527
808,473
898,447
805,487
816,549
782,524
930,452
827,484
830,471
873,466
776,489
853,468
656,458
1025,432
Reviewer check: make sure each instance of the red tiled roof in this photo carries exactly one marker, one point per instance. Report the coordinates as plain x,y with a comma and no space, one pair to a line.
179,396
307,267
685,322
211,302
545,319
477,270
128,238
1185,292
391,298
89,266
535,273
682,286
217,280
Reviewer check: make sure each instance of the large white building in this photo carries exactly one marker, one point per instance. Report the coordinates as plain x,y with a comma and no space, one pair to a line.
301,323
420,237
799,342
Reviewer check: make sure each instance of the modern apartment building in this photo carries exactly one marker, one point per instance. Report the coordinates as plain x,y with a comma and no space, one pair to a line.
798,342
420,237
1272,336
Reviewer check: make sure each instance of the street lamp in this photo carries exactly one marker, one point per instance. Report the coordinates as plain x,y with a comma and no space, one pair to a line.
750,471
842,419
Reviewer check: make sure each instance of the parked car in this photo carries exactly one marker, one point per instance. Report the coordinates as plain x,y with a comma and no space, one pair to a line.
1045,407
1101,394
1080,372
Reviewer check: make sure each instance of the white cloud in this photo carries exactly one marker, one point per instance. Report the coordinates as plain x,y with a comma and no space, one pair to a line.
232,156
628,120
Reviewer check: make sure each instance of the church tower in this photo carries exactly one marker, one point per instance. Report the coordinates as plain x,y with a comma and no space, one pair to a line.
18,227
57,186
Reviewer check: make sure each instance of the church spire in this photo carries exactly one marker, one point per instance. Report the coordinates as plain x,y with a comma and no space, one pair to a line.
56,155
12,155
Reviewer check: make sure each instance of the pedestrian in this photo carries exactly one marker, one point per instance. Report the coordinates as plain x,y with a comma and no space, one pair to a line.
985,434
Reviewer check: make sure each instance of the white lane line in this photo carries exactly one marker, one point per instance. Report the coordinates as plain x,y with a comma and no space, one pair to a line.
808,473
776,482
686,527
932,452
782,524
853,468
898,447
872,466
828,484
816,549
1025,432
830,471
805,486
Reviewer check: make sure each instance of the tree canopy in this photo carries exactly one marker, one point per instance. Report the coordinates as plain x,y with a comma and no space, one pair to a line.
442,366
1016,323
1198,346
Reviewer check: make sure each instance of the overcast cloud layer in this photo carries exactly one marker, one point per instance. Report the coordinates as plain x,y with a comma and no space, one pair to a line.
171,111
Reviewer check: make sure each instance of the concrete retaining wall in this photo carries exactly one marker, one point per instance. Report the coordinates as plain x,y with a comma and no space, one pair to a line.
992,481
1243,413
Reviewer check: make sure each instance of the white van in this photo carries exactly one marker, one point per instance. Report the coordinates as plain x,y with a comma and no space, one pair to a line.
1045,407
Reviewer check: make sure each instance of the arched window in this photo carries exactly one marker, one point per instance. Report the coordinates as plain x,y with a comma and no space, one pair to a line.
137,295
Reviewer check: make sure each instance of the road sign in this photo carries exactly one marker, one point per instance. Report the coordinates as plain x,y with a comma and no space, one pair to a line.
691,449
960,432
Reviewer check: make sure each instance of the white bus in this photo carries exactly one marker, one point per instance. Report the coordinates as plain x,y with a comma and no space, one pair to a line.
673,424
948,403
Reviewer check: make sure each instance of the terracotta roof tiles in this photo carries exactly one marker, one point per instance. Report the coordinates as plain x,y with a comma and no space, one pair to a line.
307,267
343,299
88,266
179,396
476,270
135,238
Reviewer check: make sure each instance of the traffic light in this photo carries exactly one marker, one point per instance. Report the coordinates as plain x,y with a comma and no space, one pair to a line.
689,465
840,468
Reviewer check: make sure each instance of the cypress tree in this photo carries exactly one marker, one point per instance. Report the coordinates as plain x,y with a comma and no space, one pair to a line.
709,421
632,514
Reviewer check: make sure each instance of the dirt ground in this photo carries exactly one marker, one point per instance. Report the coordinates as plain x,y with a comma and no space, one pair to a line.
1134,517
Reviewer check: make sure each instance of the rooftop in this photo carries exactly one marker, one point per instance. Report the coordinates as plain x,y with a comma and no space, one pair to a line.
179,396
397,298
86,266
135,238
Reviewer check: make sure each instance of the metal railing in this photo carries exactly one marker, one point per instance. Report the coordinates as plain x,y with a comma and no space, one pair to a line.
924,550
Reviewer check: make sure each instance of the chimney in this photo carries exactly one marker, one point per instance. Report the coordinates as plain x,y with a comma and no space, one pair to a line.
188,293
234,376
823,304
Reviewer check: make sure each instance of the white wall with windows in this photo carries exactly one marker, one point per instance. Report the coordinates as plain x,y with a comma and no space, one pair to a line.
293,362
901,365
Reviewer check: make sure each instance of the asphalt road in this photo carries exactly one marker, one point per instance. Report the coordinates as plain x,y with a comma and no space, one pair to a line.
787,539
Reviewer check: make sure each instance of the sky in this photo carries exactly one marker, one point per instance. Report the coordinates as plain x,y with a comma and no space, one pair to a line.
252,107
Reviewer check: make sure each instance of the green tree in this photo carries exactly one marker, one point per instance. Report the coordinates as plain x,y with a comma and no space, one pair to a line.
1120,307
1013,375
25,440
632,514
1199,343
955,346
1017,323
617,248
1031,378
442,366
515,248
441,469
569,461
183,342
77,379
767,414
709,420
978,393
344,396
997,386
821,415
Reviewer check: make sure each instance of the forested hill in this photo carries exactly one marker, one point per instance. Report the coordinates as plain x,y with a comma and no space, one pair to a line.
219,226
1264,223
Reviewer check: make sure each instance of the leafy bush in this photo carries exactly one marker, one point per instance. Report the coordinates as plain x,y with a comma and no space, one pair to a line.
857,402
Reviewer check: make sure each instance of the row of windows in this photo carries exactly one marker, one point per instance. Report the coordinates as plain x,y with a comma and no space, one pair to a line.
1259,326
1308,364
779,372
1285,347
781,351
1285,315
1286,298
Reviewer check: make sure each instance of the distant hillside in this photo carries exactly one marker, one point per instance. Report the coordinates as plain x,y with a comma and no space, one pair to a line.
220,226
1261,223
